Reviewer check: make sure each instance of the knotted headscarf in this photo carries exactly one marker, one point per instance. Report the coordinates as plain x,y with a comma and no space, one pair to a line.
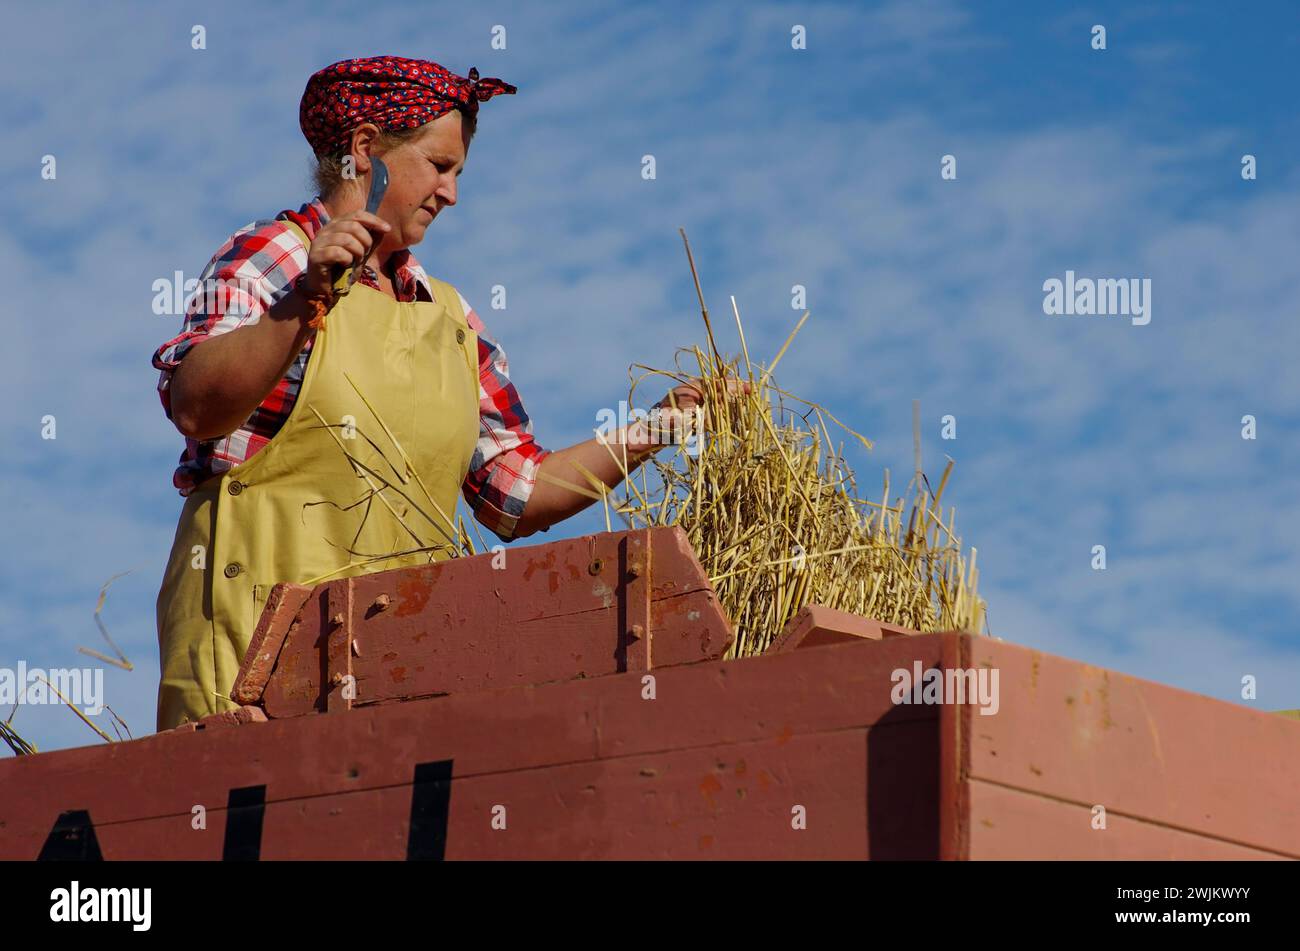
391,91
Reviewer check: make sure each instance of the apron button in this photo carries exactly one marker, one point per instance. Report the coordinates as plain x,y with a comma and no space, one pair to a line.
233,569
460,335
235,487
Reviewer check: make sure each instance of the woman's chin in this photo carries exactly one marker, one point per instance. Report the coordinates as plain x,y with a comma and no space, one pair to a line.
413,232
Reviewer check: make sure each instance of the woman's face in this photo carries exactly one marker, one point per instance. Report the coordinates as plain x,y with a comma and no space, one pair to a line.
421,180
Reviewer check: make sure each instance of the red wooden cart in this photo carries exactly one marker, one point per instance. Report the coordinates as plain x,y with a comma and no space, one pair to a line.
572,704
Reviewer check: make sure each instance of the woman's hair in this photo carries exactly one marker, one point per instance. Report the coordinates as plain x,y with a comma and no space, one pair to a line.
328,173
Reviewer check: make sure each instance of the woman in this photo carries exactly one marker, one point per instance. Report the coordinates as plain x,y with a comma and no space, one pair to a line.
329,429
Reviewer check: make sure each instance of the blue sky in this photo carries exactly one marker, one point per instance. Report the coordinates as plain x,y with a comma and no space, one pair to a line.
817,167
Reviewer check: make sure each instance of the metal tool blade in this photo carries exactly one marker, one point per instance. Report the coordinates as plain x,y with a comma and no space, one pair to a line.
378,185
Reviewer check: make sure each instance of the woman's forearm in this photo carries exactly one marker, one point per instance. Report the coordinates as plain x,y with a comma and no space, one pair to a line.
550,503
217,385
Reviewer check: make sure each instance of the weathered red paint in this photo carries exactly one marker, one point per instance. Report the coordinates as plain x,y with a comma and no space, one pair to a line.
236,717
282,607
641,600
716,765
585,767
1159,760
815,625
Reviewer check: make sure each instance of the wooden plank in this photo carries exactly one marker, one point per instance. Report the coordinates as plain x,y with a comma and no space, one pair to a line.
282,607
777,697
816,625
295,682
721,802
1090,736
954,758
1206,777
732,801
636,641
1015,824
340,679
687,621
552,612
227,718
689,627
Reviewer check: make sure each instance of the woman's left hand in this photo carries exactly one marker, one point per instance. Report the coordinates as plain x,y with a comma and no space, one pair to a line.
690,395
667,427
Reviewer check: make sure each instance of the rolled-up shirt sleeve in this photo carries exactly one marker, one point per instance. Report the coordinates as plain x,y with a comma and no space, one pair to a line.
232,291
503,470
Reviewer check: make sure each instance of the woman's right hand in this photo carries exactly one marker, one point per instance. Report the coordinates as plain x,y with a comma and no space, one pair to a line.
341,244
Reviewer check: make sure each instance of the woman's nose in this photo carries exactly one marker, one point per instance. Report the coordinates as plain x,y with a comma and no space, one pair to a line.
448,191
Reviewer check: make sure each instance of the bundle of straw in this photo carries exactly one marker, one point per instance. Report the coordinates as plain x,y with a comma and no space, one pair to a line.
771,508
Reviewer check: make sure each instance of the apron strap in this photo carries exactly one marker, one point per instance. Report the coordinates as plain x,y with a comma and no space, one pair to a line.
444,293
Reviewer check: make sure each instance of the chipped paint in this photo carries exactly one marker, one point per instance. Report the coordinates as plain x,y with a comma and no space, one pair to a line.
534,564
708,786
414,590
1103,694
604,592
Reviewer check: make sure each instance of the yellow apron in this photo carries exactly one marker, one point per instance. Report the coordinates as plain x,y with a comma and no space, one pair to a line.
299,510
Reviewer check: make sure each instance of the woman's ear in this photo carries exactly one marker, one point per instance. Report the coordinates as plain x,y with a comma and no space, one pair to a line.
363,140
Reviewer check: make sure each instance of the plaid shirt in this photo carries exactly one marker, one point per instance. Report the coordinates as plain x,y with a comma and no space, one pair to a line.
255,268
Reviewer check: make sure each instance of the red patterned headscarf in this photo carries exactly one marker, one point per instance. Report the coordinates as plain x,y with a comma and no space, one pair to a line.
391,91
